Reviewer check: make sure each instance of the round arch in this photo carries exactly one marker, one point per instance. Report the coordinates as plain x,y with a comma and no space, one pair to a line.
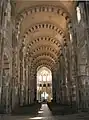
47,25
43,62
58,10
43,65
44,54
43,57
52,40
44,47
42,8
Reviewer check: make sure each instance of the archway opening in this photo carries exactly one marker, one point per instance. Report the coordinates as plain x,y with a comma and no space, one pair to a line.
44,84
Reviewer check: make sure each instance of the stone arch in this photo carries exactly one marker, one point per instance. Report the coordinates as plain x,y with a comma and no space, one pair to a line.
44,60
42,8
44,54
45,47
44,66
44,63
41,58
47,25
45,38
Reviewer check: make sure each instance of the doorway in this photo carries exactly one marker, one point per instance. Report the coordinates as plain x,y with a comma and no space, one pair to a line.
44,84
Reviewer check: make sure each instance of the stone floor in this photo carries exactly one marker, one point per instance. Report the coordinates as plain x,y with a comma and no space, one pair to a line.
45,114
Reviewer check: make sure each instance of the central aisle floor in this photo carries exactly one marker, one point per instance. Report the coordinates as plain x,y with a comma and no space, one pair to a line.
45,114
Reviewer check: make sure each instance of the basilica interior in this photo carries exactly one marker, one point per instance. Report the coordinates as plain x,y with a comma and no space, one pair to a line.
44,52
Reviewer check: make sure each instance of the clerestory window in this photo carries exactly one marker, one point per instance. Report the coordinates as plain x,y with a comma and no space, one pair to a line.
78,14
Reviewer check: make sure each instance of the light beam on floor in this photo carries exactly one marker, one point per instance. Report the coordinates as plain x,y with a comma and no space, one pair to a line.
36,118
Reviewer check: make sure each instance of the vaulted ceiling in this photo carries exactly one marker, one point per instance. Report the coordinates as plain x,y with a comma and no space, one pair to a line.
42,27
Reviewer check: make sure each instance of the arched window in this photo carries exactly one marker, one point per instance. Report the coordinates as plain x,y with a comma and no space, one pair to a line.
44,83
78,14
70,37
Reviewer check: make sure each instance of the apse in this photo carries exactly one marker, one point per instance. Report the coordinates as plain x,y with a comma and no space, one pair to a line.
44,84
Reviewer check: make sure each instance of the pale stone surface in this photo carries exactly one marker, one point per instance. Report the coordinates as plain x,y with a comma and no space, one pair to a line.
36,34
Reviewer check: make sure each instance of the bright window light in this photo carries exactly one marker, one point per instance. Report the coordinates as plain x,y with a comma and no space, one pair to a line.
78,14
40,112
44,94
70,37
41,109
44,72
